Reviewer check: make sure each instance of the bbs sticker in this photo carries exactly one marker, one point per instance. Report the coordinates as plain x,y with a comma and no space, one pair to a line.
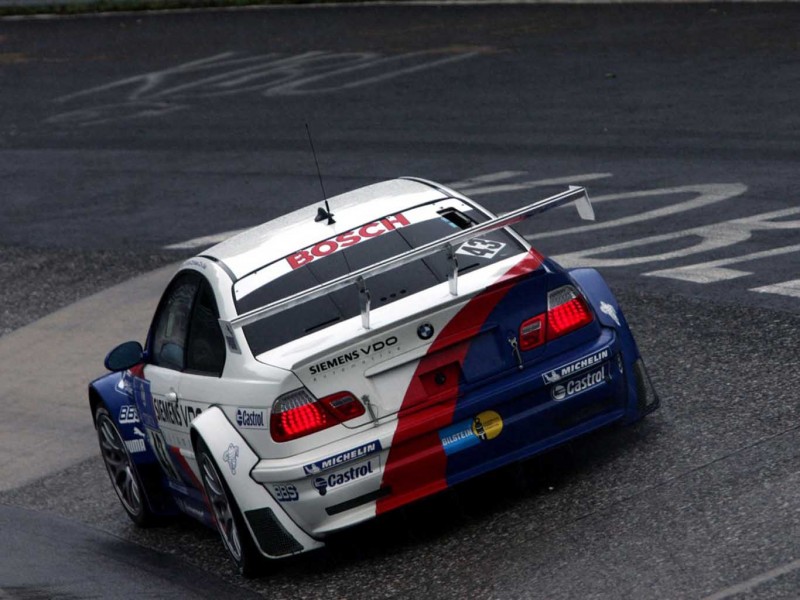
481,248
285,493
128,414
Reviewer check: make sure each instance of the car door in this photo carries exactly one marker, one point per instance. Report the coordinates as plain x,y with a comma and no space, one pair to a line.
201,382
165,419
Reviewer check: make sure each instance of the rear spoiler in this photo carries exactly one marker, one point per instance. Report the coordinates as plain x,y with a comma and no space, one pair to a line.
447,244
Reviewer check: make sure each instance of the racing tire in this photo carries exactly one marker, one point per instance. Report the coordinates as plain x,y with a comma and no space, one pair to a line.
121,470
235,535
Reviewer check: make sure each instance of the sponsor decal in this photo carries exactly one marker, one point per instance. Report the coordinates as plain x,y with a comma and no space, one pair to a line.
128,414
361,352
608,309
487,425
144,399
137,431
342,458
340,478
347,239
230,337
231,456
425,331
481,248
575,367
175,413
285,493
135,446
251,418
576,386
465,434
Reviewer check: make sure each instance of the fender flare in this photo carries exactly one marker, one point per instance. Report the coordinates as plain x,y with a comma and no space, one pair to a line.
112,391
642,397
235,460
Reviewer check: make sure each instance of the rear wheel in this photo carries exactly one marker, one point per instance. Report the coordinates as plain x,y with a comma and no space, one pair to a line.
121,469
230,523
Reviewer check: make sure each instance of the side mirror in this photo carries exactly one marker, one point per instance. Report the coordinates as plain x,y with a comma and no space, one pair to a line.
124,356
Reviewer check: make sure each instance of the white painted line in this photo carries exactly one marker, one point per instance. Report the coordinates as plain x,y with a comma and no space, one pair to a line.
205,241
787,288
708,272
528,185
748,585
488,178
708,194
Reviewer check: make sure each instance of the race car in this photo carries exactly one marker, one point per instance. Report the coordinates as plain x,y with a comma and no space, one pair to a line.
337,363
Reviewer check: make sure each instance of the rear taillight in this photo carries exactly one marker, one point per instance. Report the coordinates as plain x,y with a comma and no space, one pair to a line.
566,311
531,332
298,413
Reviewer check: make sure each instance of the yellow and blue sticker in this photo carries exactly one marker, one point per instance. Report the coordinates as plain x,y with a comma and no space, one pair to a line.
471,432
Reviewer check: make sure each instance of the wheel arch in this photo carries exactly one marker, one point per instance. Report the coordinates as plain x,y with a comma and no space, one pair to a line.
262,513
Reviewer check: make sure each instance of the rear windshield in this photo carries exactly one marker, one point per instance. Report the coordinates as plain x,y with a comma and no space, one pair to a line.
356,249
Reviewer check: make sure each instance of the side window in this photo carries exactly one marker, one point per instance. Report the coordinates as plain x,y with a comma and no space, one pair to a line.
206,353
172,323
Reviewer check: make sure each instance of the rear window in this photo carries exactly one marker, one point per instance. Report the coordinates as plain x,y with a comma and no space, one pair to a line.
356,249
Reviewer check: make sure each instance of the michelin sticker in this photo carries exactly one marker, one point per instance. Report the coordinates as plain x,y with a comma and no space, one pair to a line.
465,434
578,385
575,367
342,458
354,473
231,457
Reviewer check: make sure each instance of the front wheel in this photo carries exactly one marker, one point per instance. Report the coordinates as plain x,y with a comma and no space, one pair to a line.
124,477
230,523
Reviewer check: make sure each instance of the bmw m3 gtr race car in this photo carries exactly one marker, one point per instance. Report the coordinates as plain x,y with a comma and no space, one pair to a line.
310,374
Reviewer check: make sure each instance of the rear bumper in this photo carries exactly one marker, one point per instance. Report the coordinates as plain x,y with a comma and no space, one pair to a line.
520,414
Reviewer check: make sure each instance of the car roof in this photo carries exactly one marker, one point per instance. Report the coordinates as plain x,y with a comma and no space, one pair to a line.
264,244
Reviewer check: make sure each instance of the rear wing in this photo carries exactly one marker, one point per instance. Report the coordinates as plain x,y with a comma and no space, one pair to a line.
448,245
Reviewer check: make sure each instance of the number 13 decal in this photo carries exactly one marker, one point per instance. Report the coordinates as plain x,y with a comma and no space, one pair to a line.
481,248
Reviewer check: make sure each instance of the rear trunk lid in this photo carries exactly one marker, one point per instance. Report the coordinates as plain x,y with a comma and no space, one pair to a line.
412,359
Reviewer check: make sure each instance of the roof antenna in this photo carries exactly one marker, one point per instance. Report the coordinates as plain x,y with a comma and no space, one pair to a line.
322,213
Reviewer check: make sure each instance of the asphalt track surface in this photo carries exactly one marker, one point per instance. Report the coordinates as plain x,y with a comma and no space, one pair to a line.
128,142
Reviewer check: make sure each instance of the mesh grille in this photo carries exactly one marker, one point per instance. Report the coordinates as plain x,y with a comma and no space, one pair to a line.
272,538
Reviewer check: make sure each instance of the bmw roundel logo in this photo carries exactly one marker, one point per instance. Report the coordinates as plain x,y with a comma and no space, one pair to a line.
425,331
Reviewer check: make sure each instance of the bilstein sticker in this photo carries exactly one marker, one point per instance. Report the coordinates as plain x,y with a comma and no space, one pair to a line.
487,425
465,434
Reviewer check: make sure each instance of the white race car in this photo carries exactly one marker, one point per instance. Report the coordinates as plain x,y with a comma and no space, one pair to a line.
334,364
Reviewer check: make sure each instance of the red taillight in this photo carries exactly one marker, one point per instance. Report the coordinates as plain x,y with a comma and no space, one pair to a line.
298,413
566,311
531,333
